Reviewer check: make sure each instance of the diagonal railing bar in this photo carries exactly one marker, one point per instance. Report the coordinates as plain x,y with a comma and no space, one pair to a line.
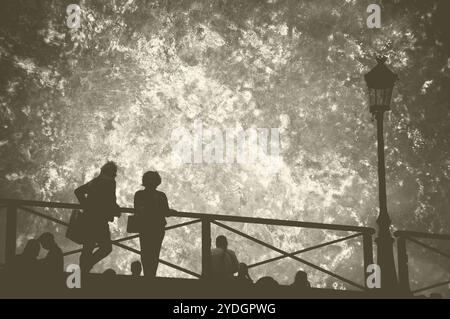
133,250
31,211
118,240
431,287
75,251
66,224
414,236
433,249
303,250
293,257
187,271
183,224
113,241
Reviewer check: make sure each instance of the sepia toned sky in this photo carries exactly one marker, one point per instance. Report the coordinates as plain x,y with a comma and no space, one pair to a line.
135,71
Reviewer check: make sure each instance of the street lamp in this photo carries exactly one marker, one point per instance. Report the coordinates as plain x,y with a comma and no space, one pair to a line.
380,82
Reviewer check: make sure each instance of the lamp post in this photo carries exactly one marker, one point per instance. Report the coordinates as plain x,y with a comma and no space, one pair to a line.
380,82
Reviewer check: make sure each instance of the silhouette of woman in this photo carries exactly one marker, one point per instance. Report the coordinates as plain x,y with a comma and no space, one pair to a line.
151,208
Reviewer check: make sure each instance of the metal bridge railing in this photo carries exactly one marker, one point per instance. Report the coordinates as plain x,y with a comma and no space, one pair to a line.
13,206
403,268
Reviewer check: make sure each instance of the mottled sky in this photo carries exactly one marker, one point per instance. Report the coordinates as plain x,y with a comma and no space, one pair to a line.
136,71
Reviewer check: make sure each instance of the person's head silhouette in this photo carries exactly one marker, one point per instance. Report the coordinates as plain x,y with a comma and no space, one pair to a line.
301,279
136,268
222,242
151,180
32,249
47,241
109,169
267,283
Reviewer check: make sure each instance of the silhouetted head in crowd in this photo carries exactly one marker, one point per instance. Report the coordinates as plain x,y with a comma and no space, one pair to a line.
109,169
32,249
222,242
301,279
151,180
267,283
109,272
136,268
47,241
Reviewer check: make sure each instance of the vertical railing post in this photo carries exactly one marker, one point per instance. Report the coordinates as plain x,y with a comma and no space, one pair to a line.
403,271
206,248
368,253
11,233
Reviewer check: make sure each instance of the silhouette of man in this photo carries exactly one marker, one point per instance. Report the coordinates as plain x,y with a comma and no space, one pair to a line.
301,281
52,264
136,268
98,199
151,208
224,261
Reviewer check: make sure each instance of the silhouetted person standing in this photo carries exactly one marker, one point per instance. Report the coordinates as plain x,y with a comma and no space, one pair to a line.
52,265
224,261
98,199
136,268
151,208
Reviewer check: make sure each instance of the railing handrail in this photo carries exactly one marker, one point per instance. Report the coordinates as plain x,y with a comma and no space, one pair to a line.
405,233
226,218
206,221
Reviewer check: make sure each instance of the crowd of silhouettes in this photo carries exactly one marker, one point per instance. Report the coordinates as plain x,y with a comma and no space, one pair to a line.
30,270
224,264
98,201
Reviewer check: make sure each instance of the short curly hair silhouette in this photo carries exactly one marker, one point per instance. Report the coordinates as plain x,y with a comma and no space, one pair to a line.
151,179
